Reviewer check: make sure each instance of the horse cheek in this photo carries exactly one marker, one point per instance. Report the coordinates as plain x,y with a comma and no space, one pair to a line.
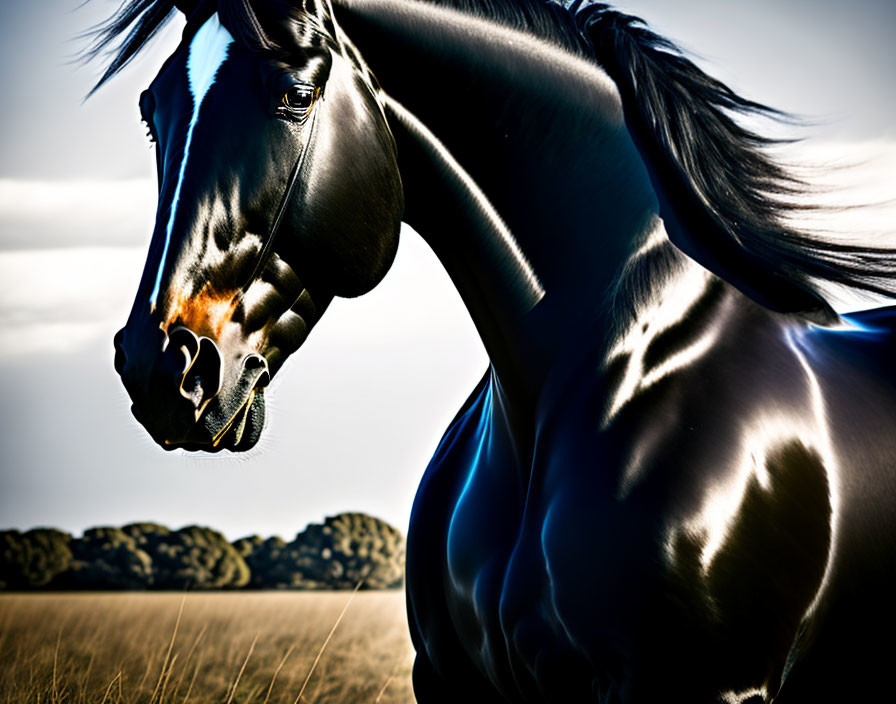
353,200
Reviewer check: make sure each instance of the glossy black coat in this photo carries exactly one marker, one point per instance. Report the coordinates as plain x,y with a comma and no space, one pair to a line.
677,480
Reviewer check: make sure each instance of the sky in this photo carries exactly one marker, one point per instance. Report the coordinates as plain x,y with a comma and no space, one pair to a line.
356,413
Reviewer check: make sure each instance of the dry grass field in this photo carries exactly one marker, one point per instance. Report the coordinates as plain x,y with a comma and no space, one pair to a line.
221,648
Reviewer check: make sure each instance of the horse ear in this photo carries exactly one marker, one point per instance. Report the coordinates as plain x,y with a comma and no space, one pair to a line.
188,7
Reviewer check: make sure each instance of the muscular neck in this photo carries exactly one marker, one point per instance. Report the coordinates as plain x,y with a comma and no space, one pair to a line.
518,171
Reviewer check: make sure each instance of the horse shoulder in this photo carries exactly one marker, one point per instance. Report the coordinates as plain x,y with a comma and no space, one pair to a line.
687,539
463,526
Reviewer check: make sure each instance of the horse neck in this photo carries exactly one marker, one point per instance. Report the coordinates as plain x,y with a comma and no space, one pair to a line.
502,134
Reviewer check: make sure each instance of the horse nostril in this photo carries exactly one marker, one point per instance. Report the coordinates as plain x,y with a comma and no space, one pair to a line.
181,341
203,379
255,363
120,357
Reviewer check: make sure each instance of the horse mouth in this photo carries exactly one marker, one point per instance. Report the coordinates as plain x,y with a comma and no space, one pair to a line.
239,434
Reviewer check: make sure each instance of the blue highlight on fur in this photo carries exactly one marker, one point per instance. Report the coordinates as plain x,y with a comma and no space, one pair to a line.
208,51
878,321
483,432
874,322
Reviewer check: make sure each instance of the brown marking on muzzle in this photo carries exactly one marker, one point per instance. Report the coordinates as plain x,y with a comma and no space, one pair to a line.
205,312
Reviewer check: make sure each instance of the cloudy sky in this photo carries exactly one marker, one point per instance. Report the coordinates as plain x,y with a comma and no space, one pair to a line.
356,413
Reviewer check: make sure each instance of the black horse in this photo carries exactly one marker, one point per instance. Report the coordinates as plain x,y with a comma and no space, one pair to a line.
677,479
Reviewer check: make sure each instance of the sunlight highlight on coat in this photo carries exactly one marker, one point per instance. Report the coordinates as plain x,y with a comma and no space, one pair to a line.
208,51
762,435
647,399
826,449
656,237
670,306
534,290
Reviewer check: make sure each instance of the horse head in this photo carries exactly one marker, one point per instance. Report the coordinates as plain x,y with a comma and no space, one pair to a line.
278,190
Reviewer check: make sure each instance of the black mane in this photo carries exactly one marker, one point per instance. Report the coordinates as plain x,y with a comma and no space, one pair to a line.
724,199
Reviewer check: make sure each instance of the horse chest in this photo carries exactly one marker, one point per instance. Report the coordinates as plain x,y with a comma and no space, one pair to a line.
490,580
571,578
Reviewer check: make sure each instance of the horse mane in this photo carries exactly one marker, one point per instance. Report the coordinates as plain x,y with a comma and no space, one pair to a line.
719,188
724,199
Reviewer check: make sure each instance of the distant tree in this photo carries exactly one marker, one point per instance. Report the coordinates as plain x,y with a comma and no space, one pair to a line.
193,557
145,533
246,546
351,547
272,564
33,559
108,558
337,554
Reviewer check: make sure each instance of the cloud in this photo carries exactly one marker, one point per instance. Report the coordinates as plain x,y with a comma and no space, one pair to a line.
351,423
52,214
57,301
71,254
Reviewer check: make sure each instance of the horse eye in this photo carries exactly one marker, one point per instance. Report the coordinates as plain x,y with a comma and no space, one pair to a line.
299,98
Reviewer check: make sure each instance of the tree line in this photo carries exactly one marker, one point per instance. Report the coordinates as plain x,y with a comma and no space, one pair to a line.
337,554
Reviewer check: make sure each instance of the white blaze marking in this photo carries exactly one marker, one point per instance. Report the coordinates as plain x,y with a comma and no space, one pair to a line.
208,50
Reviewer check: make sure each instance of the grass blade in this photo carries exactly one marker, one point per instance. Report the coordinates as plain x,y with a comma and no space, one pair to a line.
54,693
192,681
388,682
277,672
326,642
186,660
170,647
167,677
242,669
109,688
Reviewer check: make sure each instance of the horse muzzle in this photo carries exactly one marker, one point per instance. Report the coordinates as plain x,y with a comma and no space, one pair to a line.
189,393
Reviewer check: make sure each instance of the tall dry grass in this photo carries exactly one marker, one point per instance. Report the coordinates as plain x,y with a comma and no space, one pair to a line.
221,648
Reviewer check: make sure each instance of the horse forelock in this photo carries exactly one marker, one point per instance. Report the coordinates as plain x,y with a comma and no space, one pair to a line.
273,26
276,26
